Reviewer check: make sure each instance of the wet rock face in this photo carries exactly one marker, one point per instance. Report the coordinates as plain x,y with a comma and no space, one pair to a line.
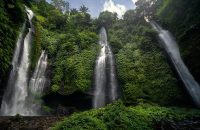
67,104
28,123
193,124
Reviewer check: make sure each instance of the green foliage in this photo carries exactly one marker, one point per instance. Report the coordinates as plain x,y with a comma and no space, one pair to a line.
11,18
36,45
74,72
61,5
120,117
55,88
82,21
71,43
145,76
146,7
60,18
80,71
15,11
72,48
130,17
115,41
47,109
141,66
42,8
74,11
80,122
180,15
84,9
56,20
49,16
50,41
86,39
18,117
106,19
183,19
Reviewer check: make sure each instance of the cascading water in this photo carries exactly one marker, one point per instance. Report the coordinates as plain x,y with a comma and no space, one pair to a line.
105,76
172,50
100,79
14,99
14,72
38,80
112,77
36,86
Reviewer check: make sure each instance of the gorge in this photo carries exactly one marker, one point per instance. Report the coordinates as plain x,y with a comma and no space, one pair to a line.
63,67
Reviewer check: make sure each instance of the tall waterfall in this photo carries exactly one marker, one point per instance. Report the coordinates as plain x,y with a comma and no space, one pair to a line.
36,86
112,77
38,80
14,99
172,50
106,87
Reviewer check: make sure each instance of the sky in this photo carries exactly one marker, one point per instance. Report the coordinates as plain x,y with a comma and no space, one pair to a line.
97,6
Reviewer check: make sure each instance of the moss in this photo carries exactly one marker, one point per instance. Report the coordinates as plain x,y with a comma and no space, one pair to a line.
36,44
47,109
55,88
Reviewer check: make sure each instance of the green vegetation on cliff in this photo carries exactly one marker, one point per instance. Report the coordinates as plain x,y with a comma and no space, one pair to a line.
71,42
183,19
119,117
142,69
70,38
11,19
144,75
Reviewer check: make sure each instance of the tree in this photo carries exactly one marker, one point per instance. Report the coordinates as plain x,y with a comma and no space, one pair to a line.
131,17
83,9
146,7
106,19
81,20
56,20
61,5
73,11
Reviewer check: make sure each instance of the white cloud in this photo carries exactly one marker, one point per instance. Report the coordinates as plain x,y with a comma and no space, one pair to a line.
110,6
134,2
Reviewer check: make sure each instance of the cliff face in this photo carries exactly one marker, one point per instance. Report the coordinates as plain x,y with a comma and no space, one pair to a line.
183,20
11,19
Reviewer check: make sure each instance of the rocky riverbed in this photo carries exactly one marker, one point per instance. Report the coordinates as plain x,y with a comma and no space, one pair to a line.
28,123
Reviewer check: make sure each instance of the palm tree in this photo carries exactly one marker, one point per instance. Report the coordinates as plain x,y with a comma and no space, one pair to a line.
83,9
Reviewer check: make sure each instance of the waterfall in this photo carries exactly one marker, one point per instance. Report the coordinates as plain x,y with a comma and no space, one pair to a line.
14,99
105,76
172,49
36,86
112,77
38,80
100,77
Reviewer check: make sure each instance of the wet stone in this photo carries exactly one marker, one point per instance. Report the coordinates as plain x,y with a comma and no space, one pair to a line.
28,123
